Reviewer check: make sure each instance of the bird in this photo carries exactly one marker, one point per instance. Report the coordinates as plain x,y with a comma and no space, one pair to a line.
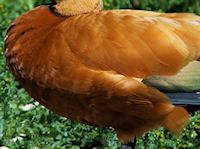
89,64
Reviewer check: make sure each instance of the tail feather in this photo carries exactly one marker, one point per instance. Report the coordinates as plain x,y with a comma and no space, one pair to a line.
176,120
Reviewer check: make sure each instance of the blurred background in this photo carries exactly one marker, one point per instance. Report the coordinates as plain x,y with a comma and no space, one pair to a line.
24,124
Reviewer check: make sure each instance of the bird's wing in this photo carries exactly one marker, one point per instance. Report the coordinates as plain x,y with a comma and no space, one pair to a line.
87,67
134,45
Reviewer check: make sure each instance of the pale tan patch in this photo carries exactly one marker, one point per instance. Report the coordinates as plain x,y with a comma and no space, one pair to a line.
6,52
72,7
6,38
138,79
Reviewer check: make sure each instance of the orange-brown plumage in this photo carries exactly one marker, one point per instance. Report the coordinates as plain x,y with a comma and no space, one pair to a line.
88,67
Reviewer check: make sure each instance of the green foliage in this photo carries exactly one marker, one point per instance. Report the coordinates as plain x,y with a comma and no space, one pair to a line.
116,4
168,5
25,124
156,5
162,139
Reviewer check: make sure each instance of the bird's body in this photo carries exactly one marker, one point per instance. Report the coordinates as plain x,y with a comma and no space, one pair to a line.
88,67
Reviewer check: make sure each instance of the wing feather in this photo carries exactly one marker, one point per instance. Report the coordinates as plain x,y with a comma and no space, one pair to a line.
132,44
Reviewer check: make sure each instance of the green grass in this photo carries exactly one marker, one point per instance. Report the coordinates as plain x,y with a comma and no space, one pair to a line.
38,127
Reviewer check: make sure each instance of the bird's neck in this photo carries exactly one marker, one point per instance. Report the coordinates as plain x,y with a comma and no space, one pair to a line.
73,7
